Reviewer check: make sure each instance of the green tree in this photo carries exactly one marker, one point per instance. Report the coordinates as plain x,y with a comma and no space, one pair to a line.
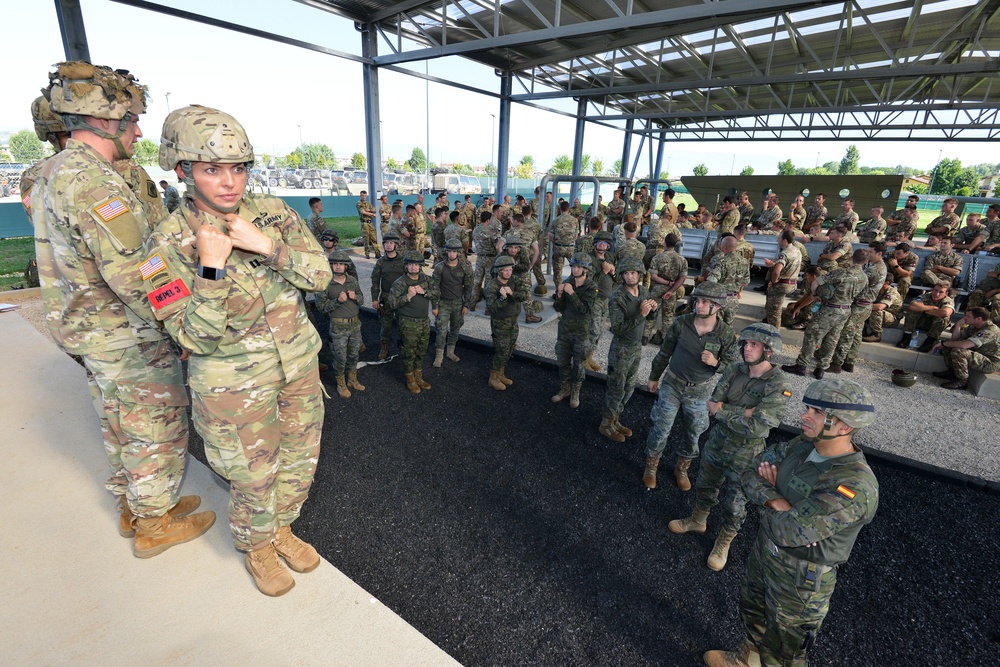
786,168
747,171
358,161
950,177
294,159
280,162
917,189
597,167
317,155
562,165
664,175
490,169
528,160
584,163
524,170
145,152
417,159
849,163
264,161
701,170
996,190
391,164
616,168
25,147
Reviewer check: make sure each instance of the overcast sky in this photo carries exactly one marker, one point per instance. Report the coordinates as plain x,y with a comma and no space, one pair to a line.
280,91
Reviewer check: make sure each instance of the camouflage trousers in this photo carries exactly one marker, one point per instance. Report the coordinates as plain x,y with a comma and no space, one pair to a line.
572,348
676,396
823,333
536,270
850,336
560,253
448,322
729,310
484,264
599,321
774,301
345,344
934,326
667,309
805,315
139,396
903,285
783,602
978,298
386,318
371,240
623,371
879,319
725,458
504,331
961,361
265,440
414,337
929,279
321,321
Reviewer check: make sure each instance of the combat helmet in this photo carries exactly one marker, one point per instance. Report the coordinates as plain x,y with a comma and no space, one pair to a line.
632,264
452,244
846,400
582,259
339,257
200,134
78,89
513,238
502,262
605,237
47,124
712,291
763,333
413,257
329,234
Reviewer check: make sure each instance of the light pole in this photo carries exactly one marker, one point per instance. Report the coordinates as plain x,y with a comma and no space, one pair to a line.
816,166
492,137
930,188
300,136
732,167
167,95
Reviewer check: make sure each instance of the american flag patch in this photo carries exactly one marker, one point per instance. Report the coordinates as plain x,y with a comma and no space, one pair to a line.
26,199
151,267
111,210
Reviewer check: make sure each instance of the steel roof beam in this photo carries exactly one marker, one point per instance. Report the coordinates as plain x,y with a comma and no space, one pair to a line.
759,113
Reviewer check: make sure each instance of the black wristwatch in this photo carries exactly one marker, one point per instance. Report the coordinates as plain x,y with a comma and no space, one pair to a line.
209,273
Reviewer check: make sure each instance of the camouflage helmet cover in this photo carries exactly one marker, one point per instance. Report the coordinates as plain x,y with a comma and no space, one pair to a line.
391,237
632,264
512,238
200,134
46,122
83,89
340,257
503,261
451,244
581,259
712,291
846,400
329,234
413,257
603,236
763,333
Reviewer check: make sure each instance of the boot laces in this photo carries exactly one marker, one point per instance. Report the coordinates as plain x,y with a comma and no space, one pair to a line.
266,559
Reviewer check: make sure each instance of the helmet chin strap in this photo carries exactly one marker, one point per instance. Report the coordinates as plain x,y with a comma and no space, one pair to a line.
763,357
189,181
117,136
710,311
827,425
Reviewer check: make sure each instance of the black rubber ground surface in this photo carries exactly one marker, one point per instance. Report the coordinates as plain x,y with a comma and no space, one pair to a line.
509,532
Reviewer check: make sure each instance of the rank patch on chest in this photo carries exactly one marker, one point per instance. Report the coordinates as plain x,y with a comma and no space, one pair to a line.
169,293
846,492
151,267
111,210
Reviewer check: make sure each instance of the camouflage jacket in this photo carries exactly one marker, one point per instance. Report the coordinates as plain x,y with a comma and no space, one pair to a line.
767,395
316,224
251,326
144,189
659,230
584,244
745,248
728,222
803,253
28,178
452,231
815,214
731,271
848,220
791,262
844,248
485,236
364,207
945,302
668,215
875,272
327,301
574,309
171,199
831,501
873,230
418,306
797,216
505,306
892,300
767,218
385,212
89,234
908,263
565,230
668,265
616,209
576,211
746,212
951,221
952,260
841,287
631,248
531,231
965,235
464,272
986,340
627,322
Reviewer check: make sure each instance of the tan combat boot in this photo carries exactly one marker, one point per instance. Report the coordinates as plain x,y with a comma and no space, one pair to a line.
624,430
495,381
384,352
720,552
574,399
503,377
352,381
411,383
649,474
590,364
451,354
268,573
154,535
298,554
696,523
747,656
438,358
681,473
342,389
565,391
608,431
126,520
419,377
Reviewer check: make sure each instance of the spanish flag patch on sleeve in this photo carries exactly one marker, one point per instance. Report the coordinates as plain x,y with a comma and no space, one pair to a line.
786,394
846,492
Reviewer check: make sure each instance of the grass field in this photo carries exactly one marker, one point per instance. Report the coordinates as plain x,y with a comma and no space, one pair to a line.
14,256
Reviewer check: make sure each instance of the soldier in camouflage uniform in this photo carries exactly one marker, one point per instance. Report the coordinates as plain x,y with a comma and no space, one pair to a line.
946,223
974,345
631,308
388,269
48,127
89,229
987,295
838,290
728,217
604,276
901,266
769,219
782,277
341,302
562,235
503,299
486,237
577,211
930,312
837,252
813,224
668,271
171,197
438,238
616,210
452,281
815,494
574,300
385,212
972,236
316,221
747,403
848,219
745,208
631,246
850,336
874,228
513,246
797,213
942,266
730,270
410,298
455,230
366,216
697,347
531,233
229,294
887,309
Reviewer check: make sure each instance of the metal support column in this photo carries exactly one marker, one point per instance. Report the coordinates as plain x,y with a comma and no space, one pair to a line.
659,166
581,121
373,133
74,36
503,138
626,147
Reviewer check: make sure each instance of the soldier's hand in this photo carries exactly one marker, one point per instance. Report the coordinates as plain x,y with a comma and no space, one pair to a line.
434,312
646,307
342,297
567,287
214,247
376,305
748,413
713,406
654,386
768,472
465,311
419,290
246,235
559,290
411,291
351,295
709,359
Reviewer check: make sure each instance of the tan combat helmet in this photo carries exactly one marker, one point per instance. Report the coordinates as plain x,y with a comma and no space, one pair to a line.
48,126
201,134
78,89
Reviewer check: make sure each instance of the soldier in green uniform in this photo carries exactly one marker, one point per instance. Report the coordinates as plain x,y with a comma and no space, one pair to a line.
452,282
887,309
616,210
901,266
410,298
747,403
366,215
797,213
503,299
729,216
946,223
229,294
874,228
48,127
815,216
696,347
974,345
930,312
604,276
574,300
341,302
972,236
486,237
630,307
89,231
388,269
730,270
850,336
316,221
385,212
837,290
513,246
769,219
848,218
942,266
667,273
837,252
562,235
987,294
782,277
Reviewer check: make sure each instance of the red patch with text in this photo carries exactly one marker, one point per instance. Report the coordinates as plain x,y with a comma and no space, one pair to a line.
169,293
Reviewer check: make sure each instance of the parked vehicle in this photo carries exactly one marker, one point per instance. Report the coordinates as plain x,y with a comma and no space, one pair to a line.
276,178
457,184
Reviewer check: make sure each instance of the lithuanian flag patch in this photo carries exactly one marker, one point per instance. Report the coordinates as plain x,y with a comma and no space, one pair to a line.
846,492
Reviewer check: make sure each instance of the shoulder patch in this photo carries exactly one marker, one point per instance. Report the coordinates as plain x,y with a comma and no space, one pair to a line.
846,492
112,209
26,199
786,394
169,293
151,190
152,266
120,223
